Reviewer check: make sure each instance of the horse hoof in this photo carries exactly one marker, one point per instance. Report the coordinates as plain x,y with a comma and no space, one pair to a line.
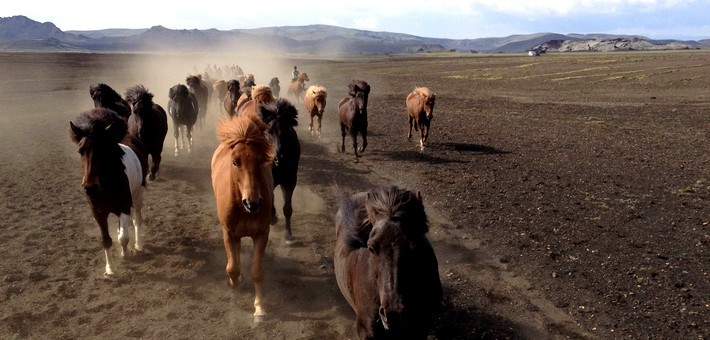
151,177
239,281
259,318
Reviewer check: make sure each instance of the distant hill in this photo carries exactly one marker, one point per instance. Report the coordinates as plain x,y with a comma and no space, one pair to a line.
20,33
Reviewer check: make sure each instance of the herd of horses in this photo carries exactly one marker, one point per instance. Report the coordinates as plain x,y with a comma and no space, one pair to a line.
385,266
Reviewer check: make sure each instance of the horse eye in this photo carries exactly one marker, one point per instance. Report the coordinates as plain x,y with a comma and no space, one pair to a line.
237,162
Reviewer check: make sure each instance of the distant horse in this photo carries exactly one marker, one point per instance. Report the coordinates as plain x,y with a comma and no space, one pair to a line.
149,123
384,264
219,87
242,184
201,92
353,121
275,86
420,107
231,97
182,107
359,86
315,100
106,97
296,87
114,169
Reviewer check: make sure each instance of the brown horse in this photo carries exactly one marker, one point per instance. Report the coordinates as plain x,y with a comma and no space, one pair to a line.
106,97
243,189
201,92
231,97
420,107
315,100
384,264
219,87
353,121
114,169
149,123
296,87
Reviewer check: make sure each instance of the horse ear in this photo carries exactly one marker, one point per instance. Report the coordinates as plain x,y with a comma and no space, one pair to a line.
76,134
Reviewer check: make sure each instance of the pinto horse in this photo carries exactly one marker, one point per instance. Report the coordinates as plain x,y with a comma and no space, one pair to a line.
420,108
106,97
149,123
231,97
201,92
384,264
353,121
243,189
114,168
296,87
182,107
315,100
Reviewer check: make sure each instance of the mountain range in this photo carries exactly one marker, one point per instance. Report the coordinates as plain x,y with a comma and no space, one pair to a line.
19,33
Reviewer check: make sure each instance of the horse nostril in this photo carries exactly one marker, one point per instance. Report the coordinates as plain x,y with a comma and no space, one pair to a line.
91,189
252,206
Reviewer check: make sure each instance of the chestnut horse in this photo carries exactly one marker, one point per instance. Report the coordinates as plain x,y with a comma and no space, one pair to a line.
231,97
315,100
384,264
106,97
420,107
201,92
149,123
114,169
353,121
182,107
243,189
296,87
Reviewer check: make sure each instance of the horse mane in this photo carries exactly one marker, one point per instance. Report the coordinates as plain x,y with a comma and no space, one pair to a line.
103,89
316,91
193,79
261,94
358,86
99,123
178,90
139,93
280,110
424,92
354,224
398,204
248,129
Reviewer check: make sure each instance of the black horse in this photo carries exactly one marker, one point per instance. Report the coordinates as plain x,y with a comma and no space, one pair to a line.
182,107
106,97
149,123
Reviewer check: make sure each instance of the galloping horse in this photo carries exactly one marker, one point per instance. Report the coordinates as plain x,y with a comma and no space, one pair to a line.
359,86
315,100
114,168
275,86
420,107
149,123
384,264
231,97
296,87
243,189
220,89
106,97
182,107
353,121
201,92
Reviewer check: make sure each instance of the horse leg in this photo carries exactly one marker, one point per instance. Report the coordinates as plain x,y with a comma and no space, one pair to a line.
320,117
353,135
364,139
422,139
257,272
177,138
232,246
411,121
157,158
106,242
342,132
288,211
189,139
138,218
310,125
123,235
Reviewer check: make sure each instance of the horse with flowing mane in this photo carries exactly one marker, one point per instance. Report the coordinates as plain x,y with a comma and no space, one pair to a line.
384,264
106,97
182,107
296,87
201,92
114,169
149,123
315,100
420,108
243,188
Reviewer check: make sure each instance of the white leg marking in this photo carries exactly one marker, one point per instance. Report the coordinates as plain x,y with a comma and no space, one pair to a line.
123,235
109,262
138,218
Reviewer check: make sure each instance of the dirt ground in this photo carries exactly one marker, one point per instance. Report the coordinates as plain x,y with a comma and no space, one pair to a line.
568,197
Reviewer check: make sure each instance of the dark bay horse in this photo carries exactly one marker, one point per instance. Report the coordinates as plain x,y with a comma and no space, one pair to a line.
360,86
384,264
353,121
106,97
149,123
315,100
243,188
275,86
182,107
201,92
219,88
296,87
231,97
420,108
114,168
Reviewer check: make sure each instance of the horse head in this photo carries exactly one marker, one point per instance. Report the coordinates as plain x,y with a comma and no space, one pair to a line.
399,224
140,99
303,77
429,102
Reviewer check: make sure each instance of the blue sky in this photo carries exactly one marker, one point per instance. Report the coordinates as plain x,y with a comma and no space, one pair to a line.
456,19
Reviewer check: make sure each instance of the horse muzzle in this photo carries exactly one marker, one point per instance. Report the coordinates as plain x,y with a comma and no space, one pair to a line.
252,206
92,189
